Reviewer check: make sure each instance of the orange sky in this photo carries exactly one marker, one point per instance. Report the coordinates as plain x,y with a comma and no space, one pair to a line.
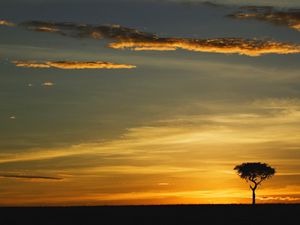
176,161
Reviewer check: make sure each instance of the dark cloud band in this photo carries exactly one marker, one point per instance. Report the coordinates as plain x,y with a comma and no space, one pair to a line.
30,177
290,18
86,30
128,38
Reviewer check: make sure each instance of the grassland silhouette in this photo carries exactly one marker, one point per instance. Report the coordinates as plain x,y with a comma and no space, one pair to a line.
231,214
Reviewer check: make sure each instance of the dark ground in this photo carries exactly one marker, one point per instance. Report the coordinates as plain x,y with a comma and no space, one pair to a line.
153,215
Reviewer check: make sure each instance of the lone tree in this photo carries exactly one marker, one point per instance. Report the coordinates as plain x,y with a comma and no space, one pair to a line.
256,173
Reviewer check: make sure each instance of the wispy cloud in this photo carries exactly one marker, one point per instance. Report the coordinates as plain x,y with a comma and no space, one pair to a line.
279,198
29,177
230,3
48,84
176,156
290,18
6,23
287,104
72,65
163,184
128,38
30,64
278,117
87,30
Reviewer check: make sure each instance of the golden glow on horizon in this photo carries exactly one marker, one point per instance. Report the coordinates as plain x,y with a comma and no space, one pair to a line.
173,162
218,196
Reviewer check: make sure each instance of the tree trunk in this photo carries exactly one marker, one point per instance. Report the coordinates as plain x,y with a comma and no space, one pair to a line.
253,196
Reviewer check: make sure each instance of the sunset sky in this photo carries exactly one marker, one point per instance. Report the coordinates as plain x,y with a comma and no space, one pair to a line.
108,102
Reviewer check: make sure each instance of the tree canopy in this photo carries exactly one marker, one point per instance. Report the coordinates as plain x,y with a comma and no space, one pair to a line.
255,172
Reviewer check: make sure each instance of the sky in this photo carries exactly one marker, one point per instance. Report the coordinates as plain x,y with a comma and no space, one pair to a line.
147,102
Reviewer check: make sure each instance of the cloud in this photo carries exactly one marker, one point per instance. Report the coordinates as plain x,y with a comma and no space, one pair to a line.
6,23
249,47
128,38
29,177
48,84
290,18
278,198
163,184
87,30
278,117
232,3
30,64
287,104
182,154
72,65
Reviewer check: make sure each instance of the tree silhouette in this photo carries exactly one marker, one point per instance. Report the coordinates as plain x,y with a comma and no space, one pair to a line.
256,173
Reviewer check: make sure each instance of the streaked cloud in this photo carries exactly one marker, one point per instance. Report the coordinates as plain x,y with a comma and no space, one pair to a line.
249,47
163,184
278,198
279,103
6,23
41,154
128,38
290,18
190,132
30,64
275,3
29,177
89,65
176,156
68,65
